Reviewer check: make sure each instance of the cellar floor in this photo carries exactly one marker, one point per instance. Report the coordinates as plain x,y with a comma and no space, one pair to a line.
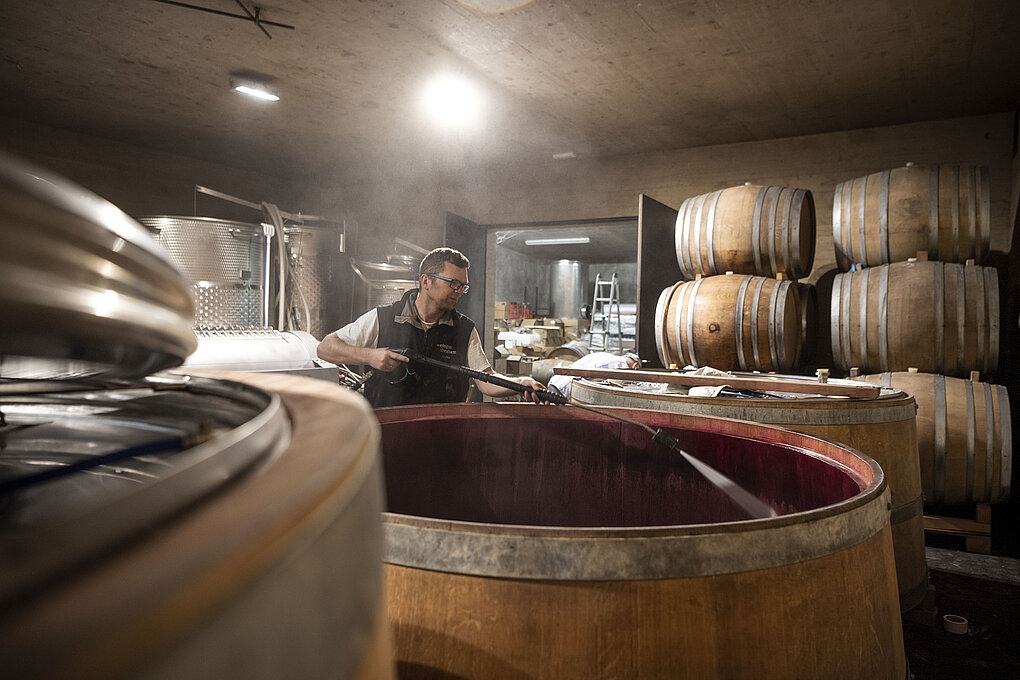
985,590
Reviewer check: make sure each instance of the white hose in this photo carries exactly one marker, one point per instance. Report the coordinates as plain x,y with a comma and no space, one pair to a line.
282,319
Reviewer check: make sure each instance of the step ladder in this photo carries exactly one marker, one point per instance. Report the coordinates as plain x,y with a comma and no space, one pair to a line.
605,308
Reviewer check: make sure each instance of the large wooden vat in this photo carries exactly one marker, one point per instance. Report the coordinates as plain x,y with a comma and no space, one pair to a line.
277,575
890,216
761,230
964,437
730,323
936,317
882,428
537,542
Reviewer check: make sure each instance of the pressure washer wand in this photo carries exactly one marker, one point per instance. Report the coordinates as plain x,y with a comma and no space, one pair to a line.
544,395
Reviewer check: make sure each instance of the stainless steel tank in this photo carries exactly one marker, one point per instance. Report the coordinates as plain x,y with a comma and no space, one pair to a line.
315,262
382,280
222,260
567,282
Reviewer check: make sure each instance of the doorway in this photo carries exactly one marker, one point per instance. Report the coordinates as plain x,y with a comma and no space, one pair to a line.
549,269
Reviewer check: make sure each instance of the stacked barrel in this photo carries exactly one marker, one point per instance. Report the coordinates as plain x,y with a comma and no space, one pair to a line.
741,250
914,304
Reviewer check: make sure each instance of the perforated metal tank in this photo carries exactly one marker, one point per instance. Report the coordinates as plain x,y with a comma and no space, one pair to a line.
315,264
222,260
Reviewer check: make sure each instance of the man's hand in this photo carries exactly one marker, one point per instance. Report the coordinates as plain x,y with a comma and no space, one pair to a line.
533,385
385,360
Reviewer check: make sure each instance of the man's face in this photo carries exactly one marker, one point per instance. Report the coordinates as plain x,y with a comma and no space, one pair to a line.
440,292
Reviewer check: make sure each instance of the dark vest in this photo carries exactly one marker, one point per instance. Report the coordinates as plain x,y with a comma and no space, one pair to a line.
419,384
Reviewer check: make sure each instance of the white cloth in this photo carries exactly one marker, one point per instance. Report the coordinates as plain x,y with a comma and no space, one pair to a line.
364,332
594,360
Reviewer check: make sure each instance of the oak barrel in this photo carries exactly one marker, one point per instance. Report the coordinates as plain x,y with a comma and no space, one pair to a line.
276,575
573,350
934,316
730,323
881,428
964,437
764,230
533,542
892,215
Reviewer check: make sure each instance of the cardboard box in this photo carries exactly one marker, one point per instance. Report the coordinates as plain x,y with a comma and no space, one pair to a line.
552,336
573,329
505,309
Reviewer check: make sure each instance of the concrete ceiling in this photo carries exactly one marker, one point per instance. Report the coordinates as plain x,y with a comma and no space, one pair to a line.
608,241
590,78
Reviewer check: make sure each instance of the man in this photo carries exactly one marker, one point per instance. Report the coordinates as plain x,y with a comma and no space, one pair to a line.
425,320
562,383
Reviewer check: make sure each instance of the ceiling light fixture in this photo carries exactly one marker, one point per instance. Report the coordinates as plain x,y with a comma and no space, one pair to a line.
253,88
564,241
453,101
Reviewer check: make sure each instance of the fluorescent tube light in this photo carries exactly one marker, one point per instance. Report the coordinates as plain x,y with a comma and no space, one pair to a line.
253,89
566,240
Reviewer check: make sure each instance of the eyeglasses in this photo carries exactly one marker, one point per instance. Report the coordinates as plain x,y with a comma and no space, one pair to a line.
454,283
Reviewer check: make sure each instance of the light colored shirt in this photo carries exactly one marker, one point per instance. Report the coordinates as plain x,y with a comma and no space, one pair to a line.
364,332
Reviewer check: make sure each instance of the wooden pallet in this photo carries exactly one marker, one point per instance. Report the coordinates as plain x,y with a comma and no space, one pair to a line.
976,533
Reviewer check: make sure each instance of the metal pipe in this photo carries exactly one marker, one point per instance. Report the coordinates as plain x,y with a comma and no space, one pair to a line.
297,217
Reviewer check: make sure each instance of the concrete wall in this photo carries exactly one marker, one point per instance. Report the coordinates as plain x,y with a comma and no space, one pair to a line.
626,278
521,278
142,181
410,202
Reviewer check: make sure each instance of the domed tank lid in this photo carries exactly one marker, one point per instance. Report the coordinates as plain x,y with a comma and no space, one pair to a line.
84,290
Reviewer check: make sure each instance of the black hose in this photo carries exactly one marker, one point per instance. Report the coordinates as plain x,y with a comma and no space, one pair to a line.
544,395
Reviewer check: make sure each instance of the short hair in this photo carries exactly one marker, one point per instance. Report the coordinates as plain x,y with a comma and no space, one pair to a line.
434,261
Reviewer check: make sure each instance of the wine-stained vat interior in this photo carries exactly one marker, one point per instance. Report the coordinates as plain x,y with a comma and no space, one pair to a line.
572,541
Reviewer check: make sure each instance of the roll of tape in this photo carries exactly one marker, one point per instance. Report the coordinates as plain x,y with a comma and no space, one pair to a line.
957,625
